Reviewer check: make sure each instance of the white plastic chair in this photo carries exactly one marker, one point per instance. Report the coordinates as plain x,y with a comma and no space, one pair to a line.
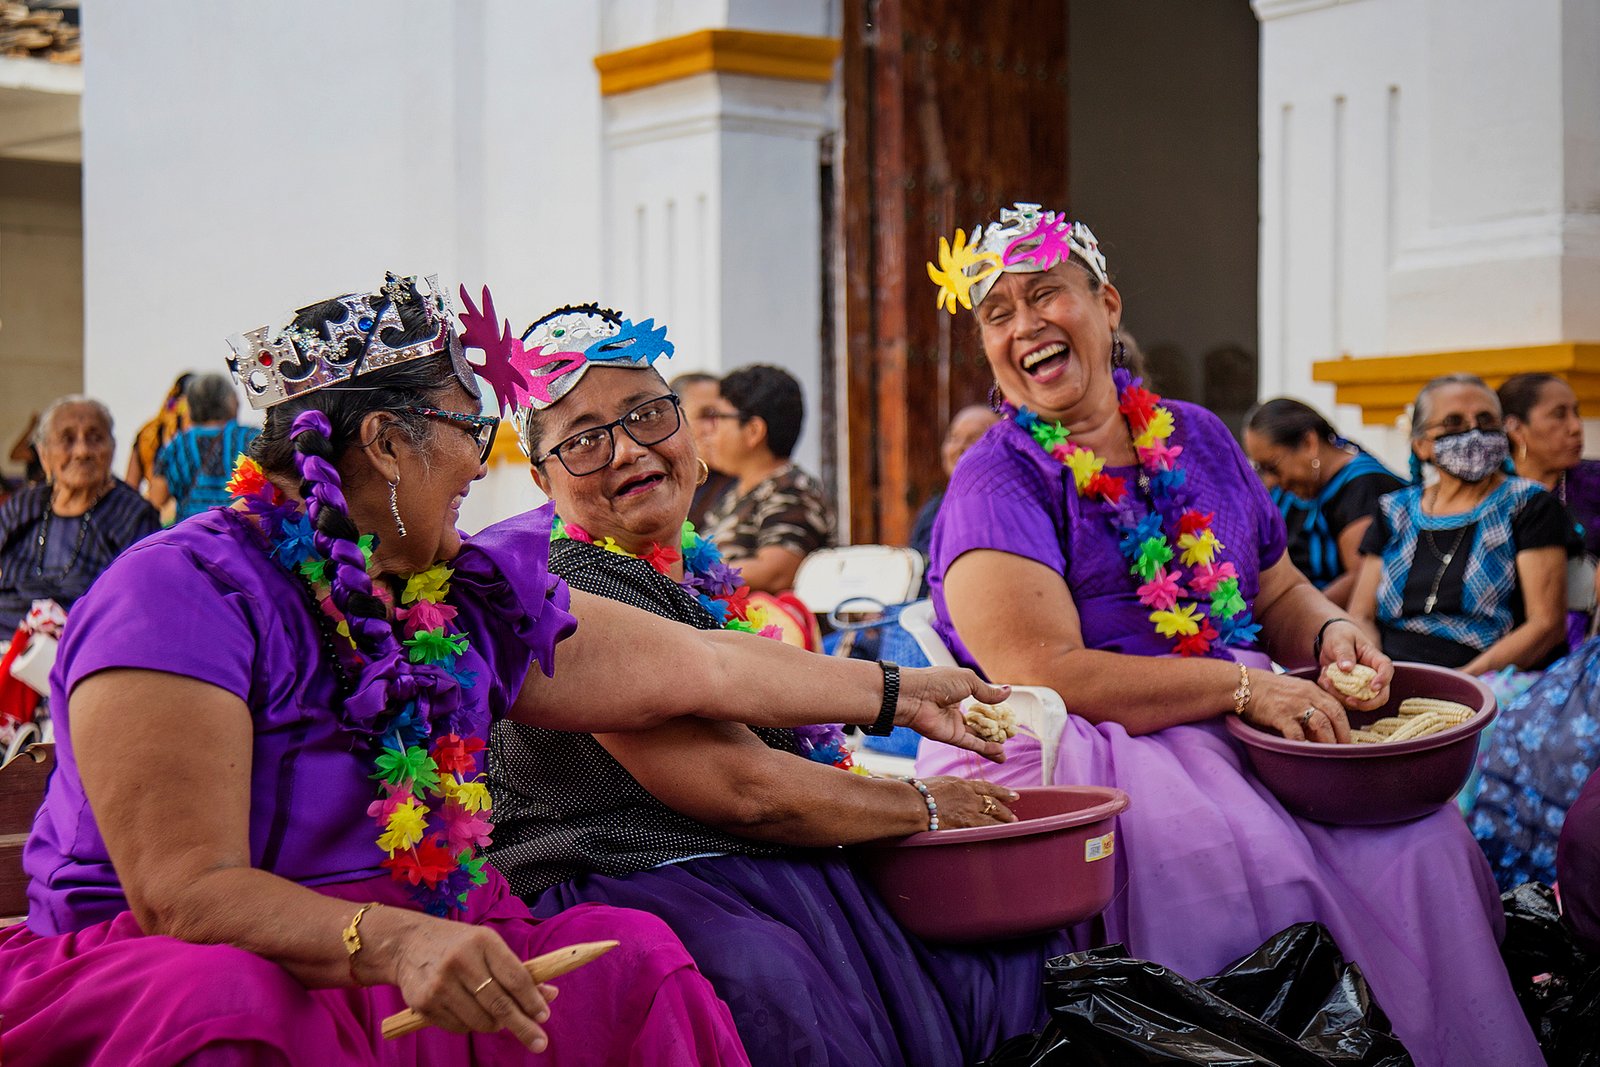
873,576
1039,710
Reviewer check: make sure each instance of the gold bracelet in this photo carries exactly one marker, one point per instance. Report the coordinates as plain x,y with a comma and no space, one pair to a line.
352,934
1241,695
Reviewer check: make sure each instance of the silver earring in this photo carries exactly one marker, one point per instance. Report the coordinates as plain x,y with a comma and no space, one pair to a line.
394,507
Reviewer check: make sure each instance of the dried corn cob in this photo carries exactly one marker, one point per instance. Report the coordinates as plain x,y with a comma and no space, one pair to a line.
1356,682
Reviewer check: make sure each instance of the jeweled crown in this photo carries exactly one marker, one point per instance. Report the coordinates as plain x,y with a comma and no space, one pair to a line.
274,364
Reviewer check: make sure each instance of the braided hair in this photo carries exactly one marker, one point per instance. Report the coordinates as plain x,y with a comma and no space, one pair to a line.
304,438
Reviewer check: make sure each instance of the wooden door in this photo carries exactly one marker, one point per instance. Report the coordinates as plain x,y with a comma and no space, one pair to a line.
952,111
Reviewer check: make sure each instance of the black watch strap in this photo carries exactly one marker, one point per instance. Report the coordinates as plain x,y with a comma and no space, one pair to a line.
891,700
1316,645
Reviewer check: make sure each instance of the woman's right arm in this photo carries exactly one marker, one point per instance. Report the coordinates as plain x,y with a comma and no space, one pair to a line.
1018,619
723,775
626,669
165,762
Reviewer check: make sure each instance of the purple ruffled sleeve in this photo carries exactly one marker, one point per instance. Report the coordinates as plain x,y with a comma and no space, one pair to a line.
515,610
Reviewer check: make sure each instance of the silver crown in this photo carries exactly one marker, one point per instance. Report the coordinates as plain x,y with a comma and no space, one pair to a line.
274,364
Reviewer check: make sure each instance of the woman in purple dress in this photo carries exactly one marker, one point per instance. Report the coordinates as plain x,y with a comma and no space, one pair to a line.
728,833
1119,549
264,833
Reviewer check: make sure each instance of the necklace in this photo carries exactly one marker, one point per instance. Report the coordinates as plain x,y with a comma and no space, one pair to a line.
1162,538
433,806
43,540
1444,559
721,591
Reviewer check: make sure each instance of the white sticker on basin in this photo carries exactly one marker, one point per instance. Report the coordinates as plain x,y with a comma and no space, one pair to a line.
1098,848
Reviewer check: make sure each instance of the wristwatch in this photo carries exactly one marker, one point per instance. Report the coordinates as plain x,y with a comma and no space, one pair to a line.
891,700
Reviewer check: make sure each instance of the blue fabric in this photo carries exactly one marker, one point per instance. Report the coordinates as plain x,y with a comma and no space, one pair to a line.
1491,574
198,462
1320,541
816,970
1535,763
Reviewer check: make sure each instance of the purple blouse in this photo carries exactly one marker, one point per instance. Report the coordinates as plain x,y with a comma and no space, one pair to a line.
1009,495
204,600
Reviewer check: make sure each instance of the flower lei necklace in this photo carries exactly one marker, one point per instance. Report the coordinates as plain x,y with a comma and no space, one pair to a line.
433,806
1149,540
723,594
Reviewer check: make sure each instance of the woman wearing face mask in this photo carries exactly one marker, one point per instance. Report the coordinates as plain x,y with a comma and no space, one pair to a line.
1468,571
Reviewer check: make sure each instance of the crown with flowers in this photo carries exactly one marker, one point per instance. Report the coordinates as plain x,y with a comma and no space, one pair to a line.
534,371
275,364
1025,239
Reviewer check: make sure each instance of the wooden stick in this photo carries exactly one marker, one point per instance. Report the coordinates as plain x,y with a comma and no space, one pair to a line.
540,969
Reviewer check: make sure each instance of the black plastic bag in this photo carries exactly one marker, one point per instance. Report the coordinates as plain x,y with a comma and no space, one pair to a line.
1557,983
1294,1002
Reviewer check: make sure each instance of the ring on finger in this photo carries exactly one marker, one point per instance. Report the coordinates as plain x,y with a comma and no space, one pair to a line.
988,805
1305,716
481,986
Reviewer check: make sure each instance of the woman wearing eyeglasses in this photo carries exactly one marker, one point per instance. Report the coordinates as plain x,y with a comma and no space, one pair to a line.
727,832
1468,571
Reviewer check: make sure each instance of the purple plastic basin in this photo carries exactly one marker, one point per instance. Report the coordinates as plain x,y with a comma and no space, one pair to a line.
1368,785
1051,868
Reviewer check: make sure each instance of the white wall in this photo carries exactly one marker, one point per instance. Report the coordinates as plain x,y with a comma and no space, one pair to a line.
242,160
1430,181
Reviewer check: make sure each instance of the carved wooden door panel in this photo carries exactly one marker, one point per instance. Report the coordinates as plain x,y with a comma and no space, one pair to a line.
952,111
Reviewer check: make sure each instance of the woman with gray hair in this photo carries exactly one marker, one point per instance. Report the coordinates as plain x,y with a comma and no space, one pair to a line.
1468,570
56,538
192,469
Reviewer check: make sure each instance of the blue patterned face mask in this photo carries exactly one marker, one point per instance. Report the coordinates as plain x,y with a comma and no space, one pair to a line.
1473,455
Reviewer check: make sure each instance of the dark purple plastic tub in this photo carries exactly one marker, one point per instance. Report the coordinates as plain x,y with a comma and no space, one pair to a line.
1369,785
1051,868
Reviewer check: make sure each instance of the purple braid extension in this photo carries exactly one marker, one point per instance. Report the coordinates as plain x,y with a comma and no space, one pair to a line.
349,564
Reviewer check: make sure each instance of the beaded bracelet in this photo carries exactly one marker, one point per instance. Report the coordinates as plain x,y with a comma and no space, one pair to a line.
927,798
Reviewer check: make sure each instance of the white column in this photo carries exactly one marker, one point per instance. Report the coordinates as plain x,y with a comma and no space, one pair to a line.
712,201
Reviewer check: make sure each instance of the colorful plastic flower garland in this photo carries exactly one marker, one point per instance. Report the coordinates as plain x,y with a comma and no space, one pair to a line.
720,591
1149,540
433,807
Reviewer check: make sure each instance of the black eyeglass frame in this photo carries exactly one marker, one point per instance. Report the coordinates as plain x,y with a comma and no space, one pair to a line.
610,430
474,425
1449,427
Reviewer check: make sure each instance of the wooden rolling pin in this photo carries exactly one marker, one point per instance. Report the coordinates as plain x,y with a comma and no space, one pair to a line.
540,969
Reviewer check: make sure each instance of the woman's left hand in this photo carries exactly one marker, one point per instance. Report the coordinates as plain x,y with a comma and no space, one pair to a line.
930,704
1346,644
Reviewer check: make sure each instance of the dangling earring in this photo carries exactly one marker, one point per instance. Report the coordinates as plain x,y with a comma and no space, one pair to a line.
1119,351
705,472
995,398
1522,451
1316,464
394,506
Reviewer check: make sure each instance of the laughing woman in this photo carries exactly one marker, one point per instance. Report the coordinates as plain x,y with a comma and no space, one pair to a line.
728,833
1119,549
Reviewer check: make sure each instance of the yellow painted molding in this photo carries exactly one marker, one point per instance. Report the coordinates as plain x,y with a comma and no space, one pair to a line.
506,449
1383,386
790,56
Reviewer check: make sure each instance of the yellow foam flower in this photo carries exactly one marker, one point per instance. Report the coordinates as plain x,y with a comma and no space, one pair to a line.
473,796
1158,429
1084,465
431,584
1198,549
407,825
1179,622
955,284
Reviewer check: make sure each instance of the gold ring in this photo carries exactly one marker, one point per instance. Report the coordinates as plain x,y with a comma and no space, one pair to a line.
485,984
1305,716
988,805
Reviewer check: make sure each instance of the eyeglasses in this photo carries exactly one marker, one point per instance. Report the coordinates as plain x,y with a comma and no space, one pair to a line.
717,416
589,451
1456,424
481,427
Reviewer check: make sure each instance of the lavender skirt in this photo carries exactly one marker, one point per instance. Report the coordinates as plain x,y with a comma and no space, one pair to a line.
110,995
1209,865
818,972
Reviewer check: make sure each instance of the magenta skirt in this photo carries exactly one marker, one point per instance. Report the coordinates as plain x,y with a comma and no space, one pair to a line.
108,994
